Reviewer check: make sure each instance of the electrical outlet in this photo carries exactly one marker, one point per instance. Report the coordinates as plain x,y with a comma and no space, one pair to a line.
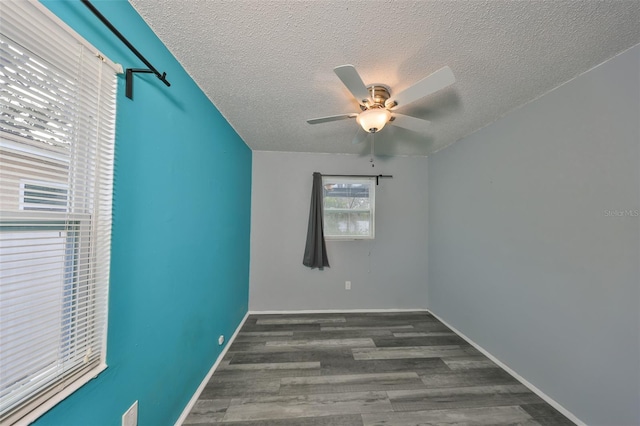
347,285
220,340
130,417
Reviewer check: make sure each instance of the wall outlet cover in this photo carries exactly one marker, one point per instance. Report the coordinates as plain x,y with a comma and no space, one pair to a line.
130,417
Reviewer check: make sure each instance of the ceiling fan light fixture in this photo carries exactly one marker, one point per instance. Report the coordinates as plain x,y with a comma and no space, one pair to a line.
373,120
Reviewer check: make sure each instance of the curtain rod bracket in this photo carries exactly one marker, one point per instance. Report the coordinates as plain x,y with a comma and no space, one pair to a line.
130,71
129,80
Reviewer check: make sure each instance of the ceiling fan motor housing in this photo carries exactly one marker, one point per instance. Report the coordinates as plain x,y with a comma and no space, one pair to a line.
379,94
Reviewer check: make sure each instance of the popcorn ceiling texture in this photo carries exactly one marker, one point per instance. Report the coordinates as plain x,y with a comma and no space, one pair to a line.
268,65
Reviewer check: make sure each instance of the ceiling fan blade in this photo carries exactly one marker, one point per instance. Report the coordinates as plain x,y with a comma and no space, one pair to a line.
430,84
331,118
351,79
360,137
410,123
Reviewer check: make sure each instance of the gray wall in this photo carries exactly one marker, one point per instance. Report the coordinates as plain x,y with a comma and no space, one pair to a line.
534,241
386,273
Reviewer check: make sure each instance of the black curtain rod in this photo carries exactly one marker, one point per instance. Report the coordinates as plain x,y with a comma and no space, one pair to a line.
371,176
129,71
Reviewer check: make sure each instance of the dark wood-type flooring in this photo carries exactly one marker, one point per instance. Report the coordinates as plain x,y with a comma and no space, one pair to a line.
401,368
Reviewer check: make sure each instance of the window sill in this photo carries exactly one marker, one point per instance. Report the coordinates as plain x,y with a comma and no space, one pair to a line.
47,405
327,239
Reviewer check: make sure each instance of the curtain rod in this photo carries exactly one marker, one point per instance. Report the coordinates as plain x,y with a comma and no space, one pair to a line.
130,71
370,176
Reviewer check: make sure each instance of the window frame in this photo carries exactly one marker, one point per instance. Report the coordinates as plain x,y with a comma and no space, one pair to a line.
347,180
82,244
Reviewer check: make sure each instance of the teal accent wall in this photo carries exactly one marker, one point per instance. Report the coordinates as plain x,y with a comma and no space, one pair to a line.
180,244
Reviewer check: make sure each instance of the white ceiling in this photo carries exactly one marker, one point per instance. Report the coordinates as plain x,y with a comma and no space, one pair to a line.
268,65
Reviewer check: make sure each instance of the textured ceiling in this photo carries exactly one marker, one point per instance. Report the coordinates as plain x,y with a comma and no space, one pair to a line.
268,65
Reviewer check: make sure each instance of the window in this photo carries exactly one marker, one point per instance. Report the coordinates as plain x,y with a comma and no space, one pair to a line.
348,205
56,171
47,196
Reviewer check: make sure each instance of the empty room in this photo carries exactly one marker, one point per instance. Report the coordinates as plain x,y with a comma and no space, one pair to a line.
319,212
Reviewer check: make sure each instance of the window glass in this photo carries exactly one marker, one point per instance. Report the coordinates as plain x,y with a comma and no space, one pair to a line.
349,205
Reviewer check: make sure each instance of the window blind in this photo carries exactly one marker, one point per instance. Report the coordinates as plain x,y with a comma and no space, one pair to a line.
57,128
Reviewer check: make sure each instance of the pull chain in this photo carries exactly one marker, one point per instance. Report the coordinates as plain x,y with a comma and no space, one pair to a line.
373,138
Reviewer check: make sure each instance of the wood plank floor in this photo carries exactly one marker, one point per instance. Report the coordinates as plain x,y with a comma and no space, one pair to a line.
363,369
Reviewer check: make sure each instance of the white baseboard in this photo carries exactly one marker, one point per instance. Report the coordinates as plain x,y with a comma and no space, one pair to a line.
334,311
518,377
521,379
196,395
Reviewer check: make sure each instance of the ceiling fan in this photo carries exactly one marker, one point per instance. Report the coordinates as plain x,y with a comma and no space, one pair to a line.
378,106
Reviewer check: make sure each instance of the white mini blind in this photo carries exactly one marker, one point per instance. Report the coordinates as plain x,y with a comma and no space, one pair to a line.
57,127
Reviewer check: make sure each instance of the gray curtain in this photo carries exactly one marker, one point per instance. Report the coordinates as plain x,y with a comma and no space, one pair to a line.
315,251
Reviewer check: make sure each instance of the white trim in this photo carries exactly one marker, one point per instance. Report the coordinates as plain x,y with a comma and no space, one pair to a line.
334,311
518,377
371,210
117,68
206,379
16,143
34,414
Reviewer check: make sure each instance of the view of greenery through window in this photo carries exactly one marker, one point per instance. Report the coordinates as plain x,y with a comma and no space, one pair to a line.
348,208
